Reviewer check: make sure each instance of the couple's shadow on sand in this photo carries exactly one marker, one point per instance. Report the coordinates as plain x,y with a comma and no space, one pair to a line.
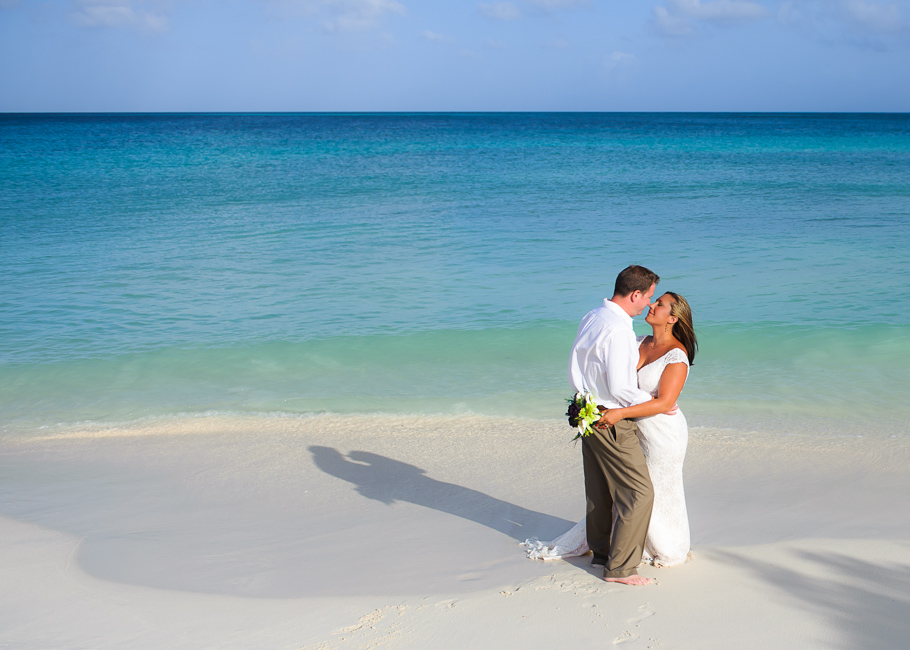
388,480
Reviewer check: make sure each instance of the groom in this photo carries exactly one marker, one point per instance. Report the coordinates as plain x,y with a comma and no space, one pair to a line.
617,485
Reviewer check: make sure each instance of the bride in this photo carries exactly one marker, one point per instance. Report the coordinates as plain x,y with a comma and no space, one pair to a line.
663,366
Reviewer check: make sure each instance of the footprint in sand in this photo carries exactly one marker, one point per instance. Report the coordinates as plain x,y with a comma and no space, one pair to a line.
366,620
643,612
625,637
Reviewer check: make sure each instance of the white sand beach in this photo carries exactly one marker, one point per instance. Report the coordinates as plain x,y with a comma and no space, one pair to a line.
347,533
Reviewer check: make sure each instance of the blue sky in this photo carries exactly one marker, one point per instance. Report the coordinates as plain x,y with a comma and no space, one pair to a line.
421,55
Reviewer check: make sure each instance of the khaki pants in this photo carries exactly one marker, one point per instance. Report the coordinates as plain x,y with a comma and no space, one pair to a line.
620,496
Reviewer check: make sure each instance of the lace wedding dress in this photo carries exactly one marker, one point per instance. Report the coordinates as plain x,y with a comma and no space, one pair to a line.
663,439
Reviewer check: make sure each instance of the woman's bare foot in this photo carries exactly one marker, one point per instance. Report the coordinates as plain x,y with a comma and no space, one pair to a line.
635,581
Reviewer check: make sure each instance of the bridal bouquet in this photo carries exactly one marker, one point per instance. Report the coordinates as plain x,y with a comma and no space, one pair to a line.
582,413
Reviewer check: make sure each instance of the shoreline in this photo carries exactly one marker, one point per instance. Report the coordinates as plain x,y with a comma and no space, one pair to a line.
351,532
211,421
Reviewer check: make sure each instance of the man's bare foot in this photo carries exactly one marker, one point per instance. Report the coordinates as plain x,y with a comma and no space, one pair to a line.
635,581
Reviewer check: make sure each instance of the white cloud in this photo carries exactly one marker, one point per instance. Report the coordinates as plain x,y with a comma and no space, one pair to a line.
864,23
358,15
671,25
500,11
494,45
719,10
433,37
617,59
118,13
620,67
679,17
506,10
789,13
553,5
337,15
874,16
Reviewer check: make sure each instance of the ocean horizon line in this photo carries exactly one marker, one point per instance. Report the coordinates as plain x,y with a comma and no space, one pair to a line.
479,113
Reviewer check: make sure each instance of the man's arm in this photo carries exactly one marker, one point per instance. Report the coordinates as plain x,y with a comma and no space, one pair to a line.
621,354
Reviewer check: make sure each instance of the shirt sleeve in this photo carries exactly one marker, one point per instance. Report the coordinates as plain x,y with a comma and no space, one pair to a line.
621,352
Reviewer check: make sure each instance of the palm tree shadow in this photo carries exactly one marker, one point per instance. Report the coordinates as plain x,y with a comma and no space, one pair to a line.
869,602
388,480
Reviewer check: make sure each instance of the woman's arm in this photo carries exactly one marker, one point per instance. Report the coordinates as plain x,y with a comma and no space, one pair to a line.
671,384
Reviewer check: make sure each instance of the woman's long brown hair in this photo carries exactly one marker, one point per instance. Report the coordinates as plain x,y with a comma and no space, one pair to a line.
684,328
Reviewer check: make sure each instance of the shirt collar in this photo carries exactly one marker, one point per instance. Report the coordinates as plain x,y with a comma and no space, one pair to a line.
619,311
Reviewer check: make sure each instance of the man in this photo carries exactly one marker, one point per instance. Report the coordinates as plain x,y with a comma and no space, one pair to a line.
617,485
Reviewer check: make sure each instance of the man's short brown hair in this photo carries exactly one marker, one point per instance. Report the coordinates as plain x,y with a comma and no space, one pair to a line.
634,278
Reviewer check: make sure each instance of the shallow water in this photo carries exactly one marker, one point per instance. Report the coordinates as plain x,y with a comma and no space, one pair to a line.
161,264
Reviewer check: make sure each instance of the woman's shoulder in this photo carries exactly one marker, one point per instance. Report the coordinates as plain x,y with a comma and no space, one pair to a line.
677,354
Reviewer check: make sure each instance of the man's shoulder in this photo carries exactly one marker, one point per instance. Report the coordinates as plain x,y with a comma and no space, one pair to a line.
604,314
597,316
600,322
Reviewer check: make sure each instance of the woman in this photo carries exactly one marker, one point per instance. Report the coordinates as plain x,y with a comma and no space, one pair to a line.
663,366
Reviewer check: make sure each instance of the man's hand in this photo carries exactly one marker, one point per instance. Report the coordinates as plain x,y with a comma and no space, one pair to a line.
673,411
609,418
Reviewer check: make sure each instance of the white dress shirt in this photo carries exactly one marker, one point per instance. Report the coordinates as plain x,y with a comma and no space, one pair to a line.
604,357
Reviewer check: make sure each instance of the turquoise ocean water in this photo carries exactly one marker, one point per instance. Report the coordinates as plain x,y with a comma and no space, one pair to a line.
155,265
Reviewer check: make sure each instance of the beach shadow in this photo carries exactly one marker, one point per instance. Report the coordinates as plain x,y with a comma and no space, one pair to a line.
388,480
869,601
